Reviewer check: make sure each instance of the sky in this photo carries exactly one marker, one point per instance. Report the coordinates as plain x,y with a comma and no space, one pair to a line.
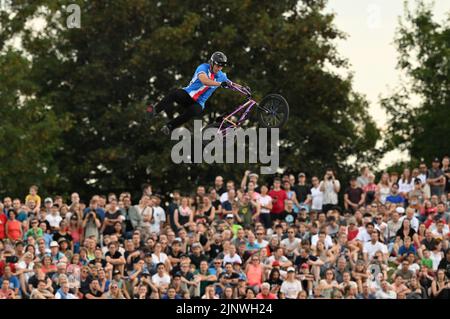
370,26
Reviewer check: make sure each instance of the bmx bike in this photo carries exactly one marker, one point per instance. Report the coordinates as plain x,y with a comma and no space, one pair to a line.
272,112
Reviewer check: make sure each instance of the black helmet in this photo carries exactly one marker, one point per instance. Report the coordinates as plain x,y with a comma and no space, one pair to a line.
218,58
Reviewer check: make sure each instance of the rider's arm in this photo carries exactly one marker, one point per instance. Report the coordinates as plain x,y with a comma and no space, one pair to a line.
207,81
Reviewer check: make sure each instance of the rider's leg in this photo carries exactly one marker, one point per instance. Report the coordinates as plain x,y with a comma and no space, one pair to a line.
191,111
167,103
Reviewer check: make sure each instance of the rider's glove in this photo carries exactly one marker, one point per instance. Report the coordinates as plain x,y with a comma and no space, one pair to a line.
224,84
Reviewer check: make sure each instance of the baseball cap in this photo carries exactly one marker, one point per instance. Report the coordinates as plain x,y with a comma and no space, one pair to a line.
253,175
62,239
352,220
116,272
305,265
54,244
301,174
194,245
229,216
291,269
48,200
436,159
400,210
236,262
276,263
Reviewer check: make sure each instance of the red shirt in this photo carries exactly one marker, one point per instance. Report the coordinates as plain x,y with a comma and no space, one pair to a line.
352,234
280,196
3,220
269,296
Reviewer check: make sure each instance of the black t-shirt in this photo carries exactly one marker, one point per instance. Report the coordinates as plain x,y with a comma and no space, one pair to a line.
84,285
110,228
445,264
197,259
33,280
447,180
302,192
95,293
226,275
58,236
428,244
220,191
187,275
215,250
116,255
102,262
302,260
129,266
354,194
402,236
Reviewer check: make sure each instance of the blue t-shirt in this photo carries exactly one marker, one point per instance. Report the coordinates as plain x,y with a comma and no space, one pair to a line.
403,250
395,199
199,92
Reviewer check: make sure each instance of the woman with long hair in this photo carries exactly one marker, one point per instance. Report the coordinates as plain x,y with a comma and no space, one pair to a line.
405,183
440,285
383,188
184,215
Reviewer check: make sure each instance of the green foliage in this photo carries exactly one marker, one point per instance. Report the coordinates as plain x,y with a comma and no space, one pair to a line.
424,56
125,52
29,131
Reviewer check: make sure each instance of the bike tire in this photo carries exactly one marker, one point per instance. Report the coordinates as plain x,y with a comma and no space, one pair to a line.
273,111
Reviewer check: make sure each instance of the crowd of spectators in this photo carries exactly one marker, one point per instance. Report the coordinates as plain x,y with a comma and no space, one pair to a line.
293,239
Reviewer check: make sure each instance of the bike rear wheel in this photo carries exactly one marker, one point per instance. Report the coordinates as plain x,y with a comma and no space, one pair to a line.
273,111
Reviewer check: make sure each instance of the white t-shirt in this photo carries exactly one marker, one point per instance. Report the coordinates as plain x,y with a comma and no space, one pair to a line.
295,244
413,267
271,259
328,241
164,280
317,198
23,265
329,195
68,296
386,295
228,259
263,243
264,201
53,220
363,235
291,289
224,197
404,186
371,249
161,259
159,216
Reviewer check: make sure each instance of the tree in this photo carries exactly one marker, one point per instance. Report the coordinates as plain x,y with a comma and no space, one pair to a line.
424,57
29,131
128,51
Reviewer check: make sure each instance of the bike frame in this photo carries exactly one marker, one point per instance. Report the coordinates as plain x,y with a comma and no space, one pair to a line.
248,105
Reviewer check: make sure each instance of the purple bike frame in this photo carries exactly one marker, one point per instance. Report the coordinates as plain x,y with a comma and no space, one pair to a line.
248,105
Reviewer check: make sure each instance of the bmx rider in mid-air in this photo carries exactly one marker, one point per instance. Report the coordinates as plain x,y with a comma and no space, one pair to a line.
207,78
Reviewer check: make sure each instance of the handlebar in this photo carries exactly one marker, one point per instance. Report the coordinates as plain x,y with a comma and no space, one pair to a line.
244,90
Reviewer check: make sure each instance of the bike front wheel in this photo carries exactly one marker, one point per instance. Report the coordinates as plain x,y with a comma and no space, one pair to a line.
273,111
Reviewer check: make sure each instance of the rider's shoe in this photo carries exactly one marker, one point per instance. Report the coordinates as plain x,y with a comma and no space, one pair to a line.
166,130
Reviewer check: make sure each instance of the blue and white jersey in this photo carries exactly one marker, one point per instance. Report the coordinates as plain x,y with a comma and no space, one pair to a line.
200,92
